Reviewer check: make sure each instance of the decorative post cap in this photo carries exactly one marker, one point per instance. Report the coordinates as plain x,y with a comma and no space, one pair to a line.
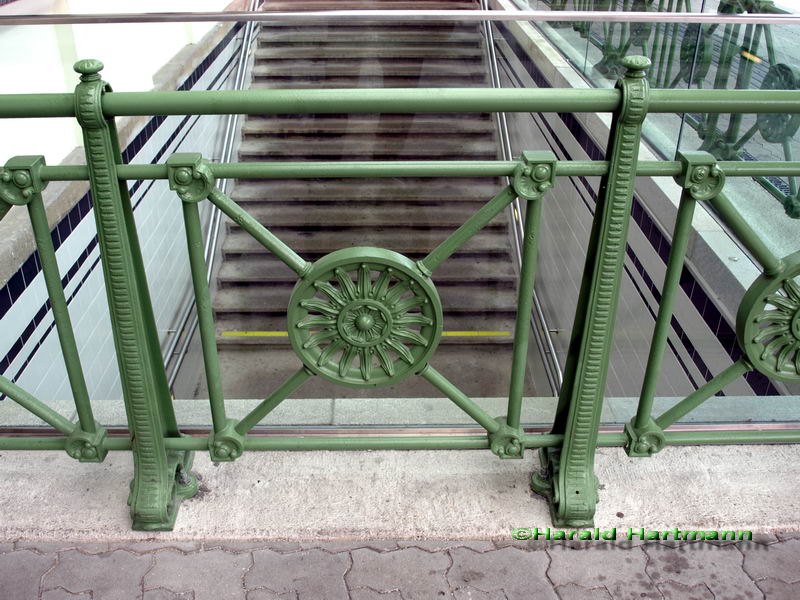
636,65
89,68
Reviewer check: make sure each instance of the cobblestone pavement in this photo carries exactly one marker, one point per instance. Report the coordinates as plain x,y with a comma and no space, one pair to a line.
768,567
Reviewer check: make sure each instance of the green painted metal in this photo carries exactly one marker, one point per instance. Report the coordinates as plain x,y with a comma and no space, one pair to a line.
260,233
161,478
191,178
367,303
35,406
568,479
314,170
725,57
701,180
531,180
768,322
21,184
369,317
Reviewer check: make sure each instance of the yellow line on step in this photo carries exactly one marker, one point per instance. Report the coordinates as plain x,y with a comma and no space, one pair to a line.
285,334
476,333
255,334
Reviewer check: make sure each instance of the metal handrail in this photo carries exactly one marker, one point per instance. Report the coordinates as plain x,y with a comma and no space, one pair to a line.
212,236
354,16
539,325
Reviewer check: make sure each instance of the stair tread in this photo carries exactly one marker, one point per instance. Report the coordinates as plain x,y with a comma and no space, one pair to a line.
364,215
274,299
411,125
265,269
366,145
358,189
406,241
357,51
315,5
375,35
368,69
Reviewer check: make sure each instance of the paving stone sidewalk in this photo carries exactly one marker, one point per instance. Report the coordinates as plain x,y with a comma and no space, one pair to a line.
768,567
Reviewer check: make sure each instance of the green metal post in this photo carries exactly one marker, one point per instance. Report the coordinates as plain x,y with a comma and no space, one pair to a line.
21,184
569,481
66,335
530,184
161,478
702,180
191,178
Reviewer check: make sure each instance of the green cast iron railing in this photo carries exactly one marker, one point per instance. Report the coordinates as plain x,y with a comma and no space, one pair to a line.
368,317
685,55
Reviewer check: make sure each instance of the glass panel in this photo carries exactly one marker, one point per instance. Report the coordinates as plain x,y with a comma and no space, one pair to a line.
477,286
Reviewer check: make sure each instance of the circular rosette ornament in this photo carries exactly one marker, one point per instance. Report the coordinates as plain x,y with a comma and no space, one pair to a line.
365,317
768,323
779,127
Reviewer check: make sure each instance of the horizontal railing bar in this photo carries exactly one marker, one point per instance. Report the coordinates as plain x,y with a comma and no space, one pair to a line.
322,170
37,105
724,101
458,442
400,101
395,430
688,438
351,16
375,100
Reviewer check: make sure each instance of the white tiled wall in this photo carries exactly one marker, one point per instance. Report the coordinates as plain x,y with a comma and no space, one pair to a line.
159,221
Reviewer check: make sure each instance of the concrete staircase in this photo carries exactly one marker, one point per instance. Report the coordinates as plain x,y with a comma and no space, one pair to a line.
411,216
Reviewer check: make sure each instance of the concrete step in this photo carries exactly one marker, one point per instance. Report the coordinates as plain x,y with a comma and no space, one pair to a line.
404,190
274,299
294,53
314,5
363,214
411,125
370,68
365,147
260,269
374,35
383,82
411,242
374,27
